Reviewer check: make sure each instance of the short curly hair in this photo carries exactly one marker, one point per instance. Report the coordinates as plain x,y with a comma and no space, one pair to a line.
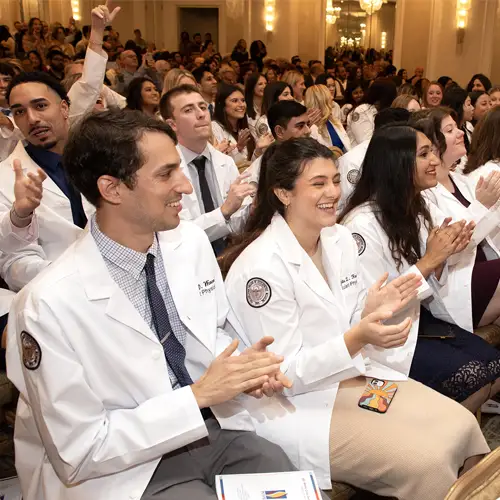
38,77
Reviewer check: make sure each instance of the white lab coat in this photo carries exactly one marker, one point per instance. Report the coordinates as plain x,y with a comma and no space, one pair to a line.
254,170
11,240
376,259
260,128
221,134
349,166
361,123
82,95
307,319
214,223
9,139
85,91
344,112
326,140
482,171
56,228
457,294
97,415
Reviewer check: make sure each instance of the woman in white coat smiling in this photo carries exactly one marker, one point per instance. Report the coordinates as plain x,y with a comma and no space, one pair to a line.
397,229
473,298
296,273
484,156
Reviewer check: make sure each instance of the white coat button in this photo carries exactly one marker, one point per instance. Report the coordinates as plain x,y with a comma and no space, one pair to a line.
156,354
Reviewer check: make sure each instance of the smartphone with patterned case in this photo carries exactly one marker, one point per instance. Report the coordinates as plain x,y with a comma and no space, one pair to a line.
378,395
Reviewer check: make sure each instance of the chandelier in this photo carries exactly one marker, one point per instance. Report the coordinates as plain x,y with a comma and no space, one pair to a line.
371,6
332,12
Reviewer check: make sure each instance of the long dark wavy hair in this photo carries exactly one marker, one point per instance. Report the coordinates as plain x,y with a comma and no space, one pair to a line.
134,92
428,121
220,116
220,108
282,164
272,93
485,144
250,85
388,182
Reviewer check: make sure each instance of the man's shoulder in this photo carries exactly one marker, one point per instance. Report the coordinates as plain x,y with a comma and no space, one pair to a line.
56,281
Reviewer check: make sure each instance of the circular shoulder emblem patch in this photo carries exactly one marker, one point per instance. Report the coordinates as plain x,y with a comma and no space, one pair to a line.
32,354
258,292
353,176
262,129
355,116
360,241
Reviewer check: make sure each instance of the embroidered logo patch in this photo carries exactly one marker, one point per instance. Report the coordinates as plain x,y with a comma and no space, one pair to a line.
258,292
353,176
360,241
355,117
32,354
262,129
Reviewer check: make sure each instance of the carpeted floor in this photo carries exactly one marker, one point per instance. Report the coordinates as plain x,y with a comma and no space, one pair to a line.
491,429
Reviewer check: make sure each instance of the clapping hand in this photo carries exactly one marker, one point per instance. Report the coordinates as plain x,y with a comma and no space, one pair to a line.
393,296
277,382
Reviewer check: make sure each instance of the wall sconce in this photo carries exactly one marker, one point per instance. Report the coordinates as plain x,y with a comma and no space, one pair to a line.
75,9
383,40
270,14
463,7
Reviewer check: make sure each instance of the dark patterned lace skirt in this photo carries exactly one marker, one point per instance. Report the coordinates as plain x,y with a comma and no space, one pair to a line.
456,367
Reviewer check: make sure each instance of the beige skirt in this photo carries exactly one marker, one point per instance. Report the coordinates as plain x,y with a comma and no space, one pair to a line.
412,452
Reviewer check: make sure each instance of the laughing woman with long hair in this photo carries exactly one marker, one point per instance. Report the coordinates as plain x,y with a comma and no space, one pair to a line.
296,274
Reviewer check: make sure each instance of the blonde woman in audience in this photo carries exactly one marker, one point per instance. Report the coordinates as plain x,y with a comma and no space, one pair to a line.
494,94
296,81
176,77
331,85
406,101
328,130
432,95
296,273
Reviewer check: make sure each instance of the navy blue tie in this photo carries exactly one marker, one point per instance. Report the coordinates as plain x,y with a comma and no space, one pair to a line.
174,351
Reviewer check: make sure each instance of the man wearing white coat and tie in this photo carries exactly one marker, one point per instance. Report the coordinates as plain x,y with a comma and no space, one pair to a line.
117,348
220,200
42,111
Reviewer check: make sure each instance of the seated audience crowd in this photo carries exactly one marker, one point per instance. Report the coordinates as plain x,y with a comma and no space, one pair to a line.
206,258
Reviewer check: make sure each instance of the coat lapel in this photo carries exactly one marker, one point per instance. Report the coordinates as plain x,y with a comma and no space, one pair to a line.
99,285
183,283
296,256
219,161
